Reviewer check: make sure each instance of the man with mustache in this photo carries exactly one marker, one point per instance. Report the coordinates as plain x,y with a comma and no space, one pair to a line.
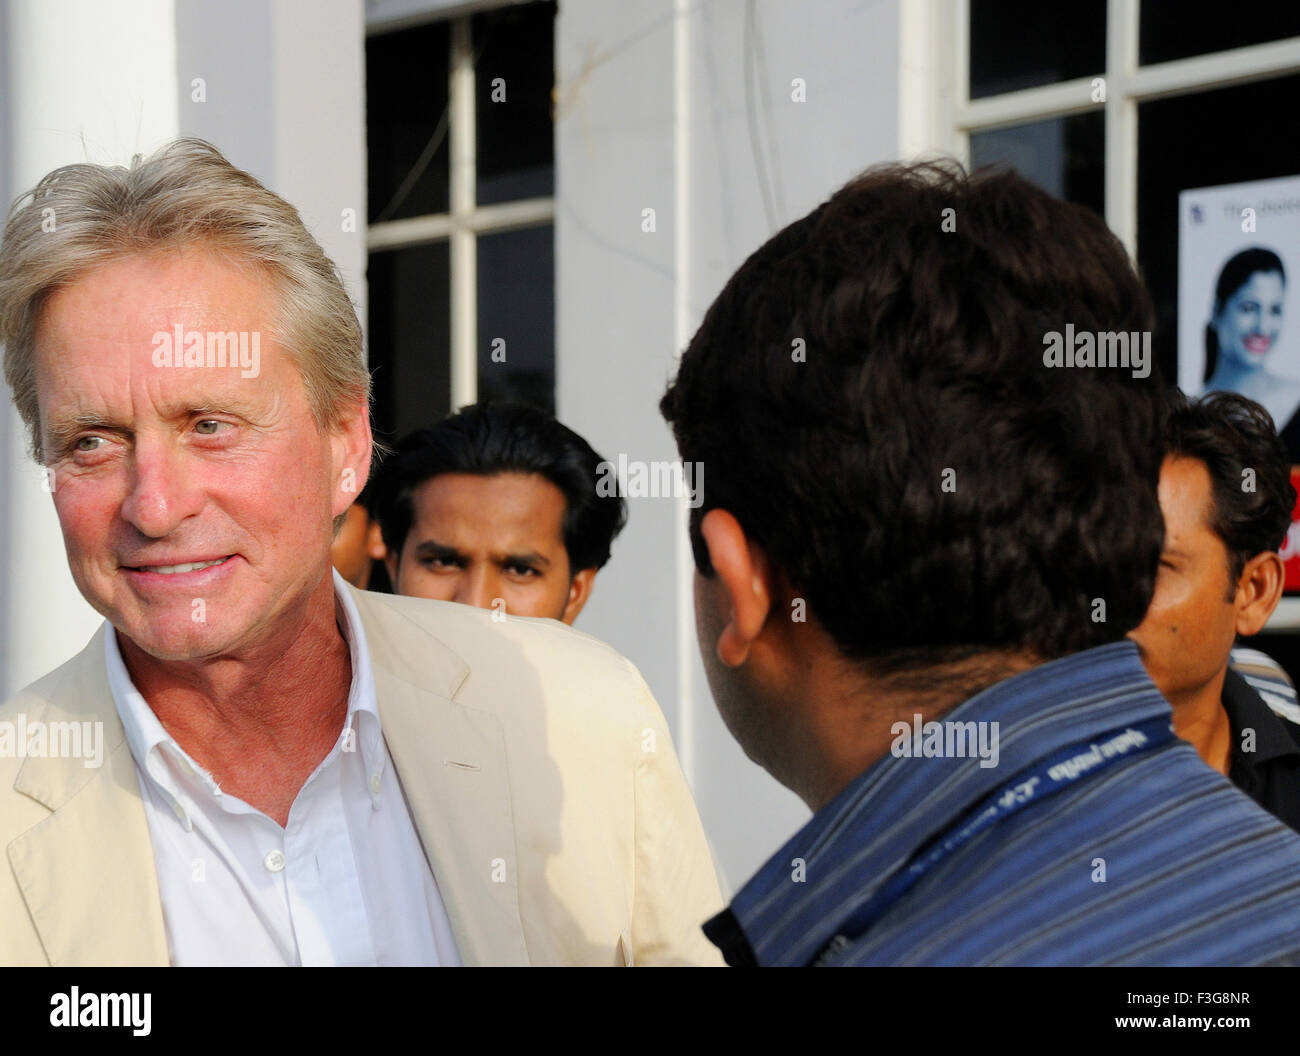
1226,496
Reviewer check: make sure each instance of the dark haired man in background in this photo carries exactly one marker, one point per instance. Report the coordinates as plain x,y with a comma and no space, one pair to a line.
357,552
919,520
497,507
1226,495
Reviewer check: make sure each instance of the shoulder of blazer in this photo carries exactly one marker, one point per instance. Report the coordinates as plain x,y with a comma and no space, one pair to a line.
76,691
80,859
438,645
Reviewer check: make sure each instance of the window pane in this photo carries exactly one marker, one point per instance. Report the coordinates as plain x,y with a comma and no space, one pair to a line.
1196,27
514,74
1024,43
410,337
516,316
406,135
1063,155
1171,160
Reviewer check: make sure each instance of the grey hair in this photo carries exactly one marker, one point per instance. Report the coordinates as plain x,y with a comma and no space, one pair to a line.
185,194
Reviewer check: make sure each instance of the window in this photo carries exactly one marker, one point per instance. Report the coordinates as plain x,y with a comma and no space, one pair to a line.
1208,139
1122,106
1018,44
1063,155
1060,92
460,214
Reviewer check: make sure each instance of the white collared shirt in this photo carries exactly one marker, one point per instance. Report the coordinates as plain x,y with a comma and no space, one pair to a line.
345,882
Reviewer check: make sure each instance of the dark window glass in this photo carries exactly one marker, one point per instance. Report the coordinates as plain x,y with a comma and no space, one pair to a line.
410,337
1018,44
516,305
406,130
1169,30
1178,149
514,51
1063,155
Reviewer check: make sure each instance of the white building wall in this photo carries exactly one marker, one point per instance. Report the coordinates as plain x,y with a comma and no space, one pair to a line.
285,99
653,112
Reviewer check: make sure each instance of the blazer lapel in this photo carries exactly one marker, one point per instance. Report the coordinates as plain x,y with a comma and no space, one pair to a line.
451,761
87,871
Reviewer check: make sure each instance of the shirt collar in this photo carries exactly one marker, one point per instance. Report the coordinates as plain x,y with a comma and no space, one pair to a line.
885,814
1247,711
147,738
363,707
149,741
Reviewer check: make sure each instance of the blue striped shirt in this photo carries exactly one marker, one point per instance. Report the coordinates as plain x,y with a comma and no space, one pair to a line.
1154,859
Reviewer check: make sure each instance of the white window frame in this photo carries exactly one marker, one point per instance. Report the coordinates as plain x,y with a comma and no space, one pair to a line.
1126,86
466,220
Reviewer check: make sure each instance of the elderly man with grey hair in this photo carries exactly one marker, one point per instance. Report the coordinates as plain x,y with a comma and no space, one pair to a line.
294,771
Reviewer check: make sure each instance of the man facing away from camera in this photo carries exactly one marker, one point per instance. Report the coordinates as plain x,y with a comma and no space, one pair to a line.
1226,496
923,539
295,772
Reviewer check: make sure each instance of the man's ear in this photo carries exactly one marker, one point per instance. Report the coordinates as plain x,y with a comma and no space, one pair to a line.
351,445
742,572
375,541
1259,589
579,591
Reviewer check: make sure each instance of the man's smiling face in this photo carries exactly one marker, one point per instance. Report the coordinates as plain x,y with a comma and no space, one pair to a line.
157,469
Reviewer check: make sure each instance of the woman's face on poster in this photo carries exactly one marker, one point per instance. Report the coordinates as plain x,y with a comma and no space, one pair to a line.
1248,323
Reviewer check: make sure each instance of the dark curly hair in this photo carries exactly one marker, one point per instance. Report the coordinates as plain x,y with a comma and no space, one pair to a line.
922,297
1230,434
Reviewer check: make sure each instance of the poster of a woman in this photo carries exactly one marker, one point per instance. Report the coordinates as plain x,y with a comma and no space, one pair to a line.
1242,334
1238,316
1239,307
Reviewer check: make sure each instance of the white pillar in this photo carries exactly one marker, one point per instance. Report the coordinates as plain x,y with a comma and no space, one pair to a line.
87,80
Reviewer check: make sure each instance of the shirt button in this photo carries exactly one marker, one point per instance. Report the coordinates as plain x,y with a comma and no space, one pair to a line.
374,784
274,861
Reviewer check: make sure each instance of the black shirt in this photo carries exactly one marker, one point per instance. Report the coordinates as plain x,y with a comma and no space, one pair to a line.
1270,774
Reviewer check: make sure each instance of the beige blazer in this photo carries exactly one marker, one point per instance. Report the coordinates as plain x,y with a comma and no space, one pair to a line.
537,765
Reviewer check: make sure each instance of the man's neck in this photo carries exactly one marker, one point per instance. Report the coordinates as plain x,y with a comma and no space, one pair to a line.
259,722
856,729
1201,720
